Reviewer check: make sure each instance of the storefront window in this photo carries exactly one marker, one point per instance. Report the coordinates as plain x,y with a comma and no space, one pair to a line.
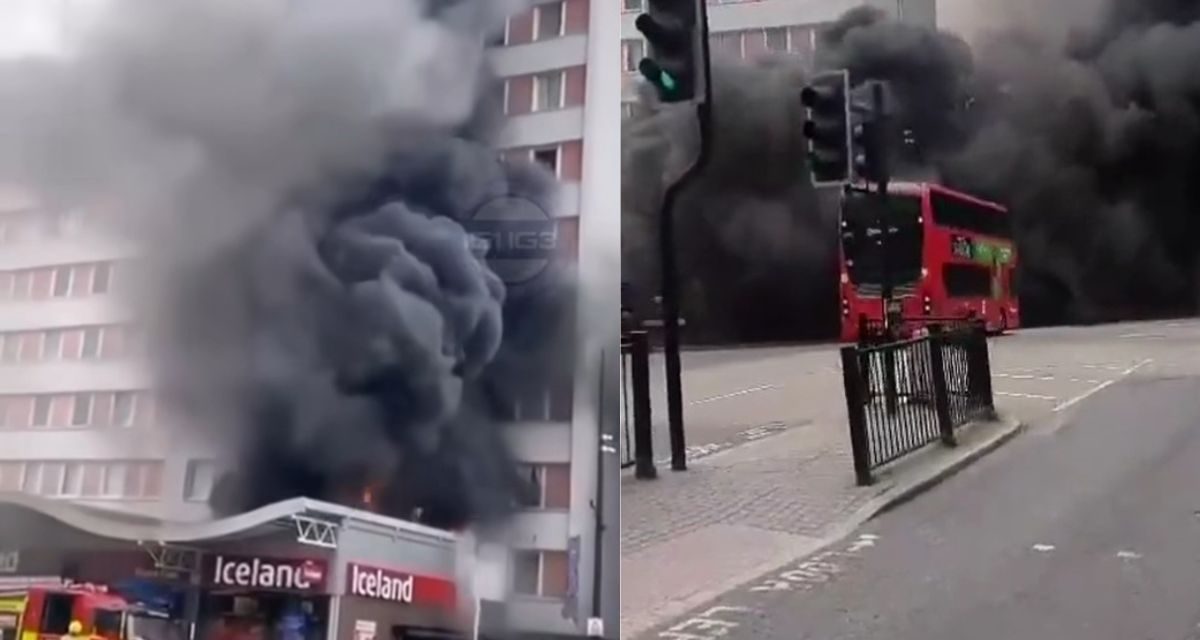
264,616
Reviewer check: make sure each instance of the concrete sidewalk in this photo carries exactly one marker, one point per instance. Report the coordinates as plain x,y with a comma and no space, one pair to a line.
688,537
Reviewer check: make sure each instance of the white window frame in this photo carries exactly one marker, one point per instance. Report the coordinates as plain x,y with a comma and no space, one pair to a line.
28,293
133,408
19,466
787,39
99,343
54,273
33,411
535,107
104,473
91,409
541,561
29,484
537,20
629,66
91,288
189,480
42,479
76,491
540,472
46,340
544,415
558,157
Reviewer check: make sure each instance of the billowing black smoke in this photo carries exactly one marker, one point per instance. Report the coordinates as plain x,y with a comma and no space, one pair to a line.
1091,143
307,179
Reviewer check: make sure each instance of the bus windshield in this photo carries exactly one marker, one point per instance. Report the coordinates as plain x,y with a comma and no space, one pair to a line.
862,244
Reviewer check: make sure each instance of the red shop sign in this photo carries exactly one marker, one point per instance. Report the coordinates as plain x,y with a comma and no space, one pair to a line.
399,586
274,574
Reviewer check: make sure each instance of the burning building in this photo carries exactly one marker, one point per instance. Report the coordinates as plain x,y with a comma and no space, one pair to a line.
289,195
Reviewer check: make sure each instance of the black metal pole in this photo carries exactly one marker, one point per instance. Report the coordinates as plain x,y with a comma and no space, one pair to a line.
600,526
879,150
643,440
670,275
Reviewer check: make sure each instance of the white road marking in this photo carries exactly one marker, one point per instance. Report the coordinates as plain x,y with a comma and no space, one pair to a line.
815,570
1128,555
1043,547
713,623
1085,380
735,394
1027,396
1101,367
1102,386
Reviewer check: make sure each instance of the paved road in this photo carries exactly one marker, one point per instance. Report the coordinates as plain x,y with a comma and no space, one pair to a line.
1086,527
735,395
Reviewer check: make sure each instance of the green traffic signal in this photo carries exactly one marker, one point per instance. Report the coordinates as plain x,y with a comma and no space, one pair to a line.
667,82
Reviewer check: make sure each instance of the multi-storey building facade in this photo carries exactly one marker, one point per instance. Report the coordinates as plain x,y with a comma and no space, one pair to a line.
749,28
77,414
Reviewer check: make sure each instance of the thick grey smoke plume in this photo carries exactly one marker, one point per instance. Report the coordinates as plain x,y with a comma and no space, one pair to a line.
1091,140
303,173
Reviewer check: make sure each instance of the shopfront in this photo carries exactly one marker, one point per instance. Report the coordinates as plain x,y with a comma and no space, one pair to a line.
263,598
295,570
391,604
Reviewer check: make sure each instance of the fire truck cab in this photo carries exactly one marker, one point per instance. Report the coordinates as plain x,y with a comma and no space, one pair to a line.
45,613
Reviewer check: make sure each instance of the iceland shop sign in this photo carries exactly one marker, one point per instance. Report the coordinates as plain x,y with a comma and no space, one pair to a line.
267,574
398,586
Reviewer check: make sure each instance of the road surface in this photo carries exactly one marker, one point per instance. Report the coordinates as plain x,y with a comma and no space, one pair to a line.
1086,527
735,395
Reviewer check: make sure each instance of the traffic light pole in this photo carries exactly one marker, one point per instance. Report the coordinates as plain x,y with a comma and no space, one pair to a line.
891,329
884,177
669,268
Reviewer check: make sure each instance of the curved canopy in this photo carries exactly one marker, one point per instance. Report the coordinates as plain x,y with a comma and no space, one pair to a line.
264,520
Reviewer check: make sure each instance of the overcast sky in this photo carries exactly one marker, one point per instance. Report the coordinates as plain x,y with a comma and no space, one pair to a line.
40,27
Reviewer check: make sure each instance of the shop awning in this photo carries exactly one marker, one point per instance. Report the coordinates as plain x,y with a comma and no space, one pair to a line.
313,521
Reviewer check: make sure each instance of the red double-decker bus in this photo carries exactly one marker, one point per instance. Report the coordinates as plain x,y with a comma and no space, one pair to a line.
950,256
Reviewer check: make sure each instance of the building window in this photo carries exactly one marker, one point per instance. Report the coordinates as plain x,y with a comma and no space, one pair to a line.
10,351
41,411
777,39
101,275
548,20
534,490
634,50
124,409
198,485
93,479
72,485
633,5
11,476
527,573
52,344
542,574
548,157
51,481
729,42
548,91
92,339
23,285
113,485
81,412
62,281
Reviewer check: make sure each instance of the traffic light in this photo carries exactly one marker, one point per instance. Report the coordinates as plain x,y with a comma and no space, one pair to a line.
827,127
676,36
868,134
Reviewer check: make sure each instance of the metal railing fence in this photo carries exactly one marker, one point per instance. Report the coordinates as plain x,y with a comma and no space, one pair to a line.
902,396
